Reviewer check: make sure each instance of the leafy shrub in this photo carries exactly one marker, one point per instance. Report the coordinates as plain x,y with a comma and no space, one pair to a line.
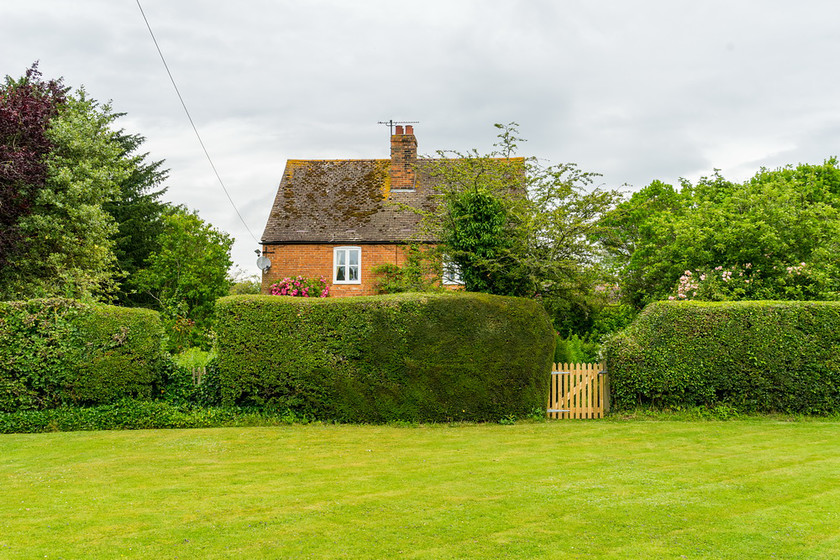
59,351
796,281
178,385
610,319
301,287
194,358
209,391
575,350
419,273
132,414
182,386
409,357
751,356
243,287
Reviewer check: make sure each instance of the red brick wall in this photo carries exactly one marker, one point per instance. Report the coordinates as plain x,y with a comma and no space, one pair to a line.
403,158
314,261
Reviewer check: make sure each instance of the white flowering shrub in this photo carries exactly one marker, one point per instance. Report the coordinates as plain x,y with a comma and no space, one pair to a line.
746,282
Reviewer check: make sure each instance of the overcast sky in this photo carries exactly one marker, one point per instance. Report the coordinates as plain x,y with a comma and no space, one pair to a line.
637,91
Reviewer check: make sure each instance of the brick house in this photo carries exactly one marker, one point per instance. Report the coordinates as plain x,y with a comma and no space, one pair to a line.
340,218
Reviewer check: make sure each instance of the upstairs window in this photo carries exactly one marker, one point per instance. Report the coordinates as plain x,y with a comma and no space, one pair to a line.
346,265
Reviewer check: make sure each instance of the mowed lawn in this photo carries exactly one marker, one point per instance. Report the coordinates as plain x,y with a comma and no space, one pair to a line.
561,489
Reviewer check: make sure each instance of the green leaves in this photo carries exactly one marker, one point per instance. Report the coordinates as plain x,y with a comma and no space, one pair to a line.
420,272
409,357
514,226
186,275
67,246
752,356
760,229
58,351
79,212
478,237
138,213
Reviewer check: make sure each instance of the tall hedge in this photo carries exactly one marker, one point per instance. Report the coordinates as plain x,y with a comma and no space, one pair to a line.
415,357
60,351
761,356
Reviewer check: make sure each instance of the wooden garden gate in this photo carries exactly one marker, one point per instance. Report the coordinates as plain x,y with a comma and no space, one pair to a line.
579,391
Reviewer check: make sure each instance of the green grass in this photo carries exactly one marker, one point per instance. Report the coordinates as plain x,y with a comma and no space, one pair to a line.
740,489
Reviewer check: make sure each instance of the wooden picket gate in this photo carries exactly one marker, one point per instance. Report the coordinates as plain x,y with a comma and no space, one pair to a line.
579,391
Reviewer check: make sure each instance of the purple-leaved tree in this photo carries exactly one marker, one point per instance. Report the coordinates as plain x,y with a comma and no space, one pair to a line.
26,107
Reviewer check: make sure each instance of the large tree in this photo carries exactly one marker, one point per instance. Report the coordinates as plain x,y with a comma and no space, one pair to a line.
27,105
186,275
80,204
775,236
139,214
67,246
515,226
82,216
639,237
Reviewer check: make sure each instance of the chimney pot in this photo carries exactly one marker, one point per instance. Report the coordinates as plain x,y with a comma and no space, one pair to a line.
403,158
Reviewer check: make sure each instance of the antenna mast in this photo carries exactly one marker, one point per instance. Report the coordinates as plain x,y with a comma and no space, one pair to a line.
392,122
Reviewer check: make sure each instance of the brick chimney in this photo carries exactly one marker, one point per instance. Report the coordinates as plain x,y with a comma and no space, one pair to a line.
403,158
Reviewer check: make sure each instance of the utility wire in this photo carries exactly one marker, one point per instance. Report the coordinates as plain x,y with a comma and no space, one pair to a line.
189,117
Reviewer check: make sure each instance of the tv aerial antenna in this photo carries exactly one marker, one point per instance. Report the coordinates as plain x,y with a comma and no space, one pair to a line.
392,122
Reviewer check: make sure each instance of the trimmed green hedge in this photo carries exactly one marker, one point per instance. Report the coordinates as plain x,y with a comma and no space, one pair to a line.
59,351
131,414
756,356
411,357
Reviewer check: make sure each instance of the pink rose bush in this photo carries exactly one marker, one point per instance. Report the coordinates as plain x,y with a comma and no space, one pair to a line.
301,287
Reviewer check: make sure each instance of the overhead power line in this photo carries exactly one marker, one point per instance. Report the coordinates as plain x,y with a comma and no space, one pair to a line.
195,129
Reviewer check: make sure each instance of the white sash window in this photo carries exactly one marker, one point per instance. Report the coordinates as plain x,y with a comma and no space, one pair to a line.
347,265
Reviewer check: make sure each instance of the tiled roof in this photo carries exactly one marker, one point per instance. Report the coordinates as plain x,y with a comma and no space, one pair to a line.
344,201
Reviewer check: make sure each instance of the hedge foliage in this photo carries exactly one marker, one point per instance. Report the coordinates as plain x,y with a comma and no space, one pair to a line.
401,357
180,388
755,356
133,414
58,351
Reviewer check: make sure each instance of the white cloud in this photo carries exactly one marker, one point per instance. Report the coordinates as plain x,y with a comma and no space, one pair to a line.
635,90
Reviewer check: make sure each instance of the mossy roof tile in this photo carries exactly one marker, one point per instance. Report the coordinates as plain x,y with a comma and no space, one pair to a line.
344,201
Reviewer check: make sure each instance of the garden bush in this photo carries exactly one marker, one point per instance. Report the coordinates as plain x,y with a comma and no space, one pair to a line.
59,351
575,350
754,356
180,387
134,414
409,357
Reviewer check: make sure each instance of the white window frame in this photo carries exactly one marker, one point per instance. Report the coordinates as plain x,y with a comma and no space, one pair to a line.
451,275
347,252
